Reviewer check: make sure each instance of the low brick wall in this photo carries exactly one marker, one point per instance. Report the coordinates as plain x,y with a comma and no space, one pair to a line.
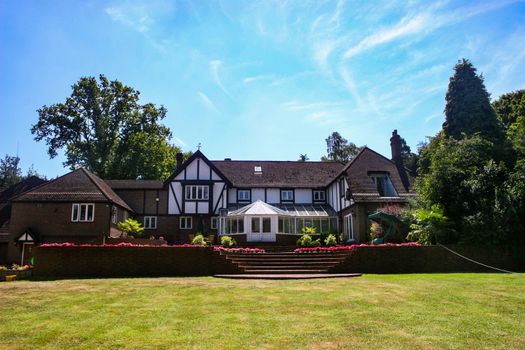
20,274
432,259
123,261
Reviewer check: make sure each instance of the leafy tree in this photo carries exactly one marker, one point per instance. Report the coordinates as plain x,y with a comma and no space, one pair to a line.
468,109
431,227
11,173
409,159
102,127
131,227
509,107
303,158
339,149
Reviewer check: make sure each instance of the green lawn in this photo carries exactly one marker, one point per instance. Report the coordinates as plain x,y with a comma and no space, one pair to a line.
430,311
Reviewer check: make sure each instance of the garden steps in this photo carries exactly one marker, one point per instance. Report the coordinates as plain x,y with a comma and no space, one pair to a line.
286,262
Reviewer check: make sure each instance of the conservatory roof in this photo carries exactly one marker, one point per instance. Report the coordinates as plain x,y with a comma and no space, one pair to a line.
258,208
261,208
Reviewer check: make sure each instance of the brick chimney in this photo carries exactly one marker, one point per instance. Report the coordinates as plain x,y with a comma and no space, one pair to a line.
395,146
180,158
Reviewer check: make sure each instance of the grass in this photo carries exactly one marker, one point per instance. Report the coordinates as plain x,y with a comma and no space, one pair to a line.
427,311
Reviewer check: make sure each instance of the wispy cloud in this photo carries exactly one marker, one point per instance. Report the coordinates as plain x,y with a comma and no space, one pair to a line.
130,16
215,66
207,102
179,142
255,78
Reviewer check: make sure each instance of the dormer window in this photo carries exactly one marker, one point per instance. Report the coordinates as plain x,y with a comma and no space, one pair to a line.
319,196
257,170
384,184
287,195
243,195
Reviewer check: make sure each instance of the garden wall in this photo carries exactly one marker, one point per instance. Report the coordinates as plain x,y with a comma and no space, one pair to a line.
128,261
430,259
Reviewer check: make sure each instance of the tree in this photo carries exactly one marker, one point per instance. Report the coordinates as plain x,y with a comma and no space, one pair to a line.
409,159
103,128
509,107
468,109
10,172
303,158
339,149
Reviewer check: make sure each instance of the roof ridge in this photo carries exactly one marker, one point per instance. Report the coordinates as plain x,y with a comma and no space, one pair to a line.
90,175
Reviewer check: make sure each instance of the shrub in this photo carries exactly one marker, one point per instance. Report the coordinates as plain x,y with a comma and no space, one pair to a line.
227,242
307,241
3,268
199,240
330,240
131,227
308,230
431,227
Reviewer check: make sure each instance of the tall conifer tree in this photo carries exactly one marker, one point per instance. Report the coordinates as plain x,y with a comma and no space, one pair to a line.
468,109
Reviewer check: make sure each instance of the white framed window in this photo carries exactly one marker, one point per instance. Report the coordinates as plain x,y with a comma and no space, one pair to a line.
384,185
286,195
150,222
186,222
243,195
197,192
83,212
214,223
348,221
319,196
114,215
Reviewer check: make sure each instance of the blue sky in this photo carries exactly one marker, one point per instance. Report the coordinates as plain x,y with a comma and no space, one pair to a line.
257,79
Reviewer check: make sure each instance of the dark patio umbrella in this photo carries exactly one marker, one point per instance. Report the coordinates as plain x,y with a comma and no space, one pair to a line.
390,221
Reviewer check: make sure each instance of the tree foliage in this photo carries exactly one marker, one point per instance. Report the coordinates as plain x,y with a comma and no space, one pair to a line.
103,128
339,149
468,109
473,169
11,173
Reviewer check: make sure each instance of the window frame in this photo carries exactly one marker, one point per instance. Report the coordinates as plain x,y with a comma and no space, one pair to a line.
114,215
287,191
78,216
197,192
383,180
148,219
186,220
249,192
348,227
320,199
214,219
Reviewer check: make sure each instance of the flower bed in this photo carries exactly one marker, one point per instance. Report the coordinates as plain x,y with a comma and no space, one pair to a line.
123,244
352,247
21,272
238,250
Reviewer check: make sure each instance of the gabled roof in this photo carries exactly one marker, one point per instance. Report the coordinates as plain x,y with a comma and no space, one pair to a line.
358,176
284,174
78,185
197,154
135,184
258,208
20,187
12,191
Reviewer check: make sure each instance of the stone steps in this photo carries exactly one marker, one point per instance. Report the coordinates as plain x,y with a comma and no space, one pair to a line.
286,262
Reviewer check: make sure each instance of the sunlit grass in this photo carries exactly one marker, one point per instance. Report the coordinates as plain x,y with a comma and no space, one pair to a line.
435,311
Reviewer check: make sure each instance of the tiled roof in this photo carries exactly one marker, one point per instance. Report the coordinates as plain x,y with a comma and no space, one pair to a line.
78,185
358,175
135,184
287,174
19,188
12,191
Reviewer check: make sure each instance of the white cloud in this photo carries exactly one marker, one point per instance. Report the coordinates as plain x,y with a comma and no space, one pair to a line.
208,103
179,142
215,66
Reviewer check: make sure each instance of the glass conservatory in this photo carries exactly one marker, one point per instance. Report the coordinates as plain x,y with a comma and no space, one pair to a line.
261,222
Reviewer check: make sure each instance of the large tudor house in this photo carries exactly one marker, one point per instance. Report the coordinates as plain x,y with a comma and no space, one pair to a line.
253,201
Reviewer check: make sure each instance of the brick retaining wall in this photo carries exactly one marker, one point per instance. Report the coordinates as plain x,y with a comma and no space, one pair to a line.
203,261
432,259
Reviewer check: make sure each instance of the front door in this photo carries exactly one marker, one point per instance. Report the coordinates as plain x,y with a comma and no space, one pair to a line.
261,230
